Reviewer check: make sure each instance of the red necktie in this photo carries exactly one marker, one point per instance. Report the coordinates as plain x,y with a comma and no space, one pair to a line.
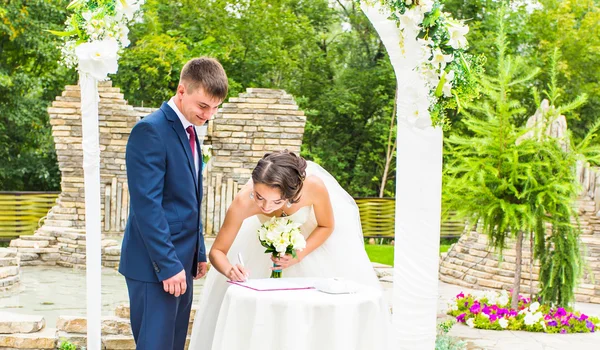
190,130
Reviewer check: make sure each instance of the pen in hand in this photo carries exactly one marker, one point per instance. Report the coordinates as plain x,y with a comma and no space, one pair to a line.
241,262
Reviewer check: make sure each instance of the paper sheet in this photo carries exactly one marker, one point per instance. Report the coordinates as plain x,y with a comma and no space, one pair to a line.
272,284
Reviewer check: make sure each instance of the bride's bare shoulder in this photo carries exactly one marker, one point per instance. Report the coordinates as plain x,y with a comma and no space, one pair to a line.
313,185
242,204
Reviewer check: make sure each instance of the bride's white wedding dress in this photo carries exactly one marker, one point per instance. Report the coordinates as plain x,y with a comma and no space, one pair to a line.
341,255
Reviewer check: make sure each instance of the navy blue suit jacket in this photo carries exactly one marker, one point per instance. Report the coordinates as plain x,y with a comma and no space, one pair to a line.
164,233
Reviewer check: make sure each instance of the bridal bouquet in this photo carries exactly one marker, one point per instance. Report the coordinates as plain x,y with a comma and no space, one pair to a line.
281,236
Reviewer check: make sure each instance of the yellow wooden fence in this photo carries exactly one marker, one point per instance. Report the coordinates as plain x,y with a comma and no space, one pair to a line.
20,212
377,216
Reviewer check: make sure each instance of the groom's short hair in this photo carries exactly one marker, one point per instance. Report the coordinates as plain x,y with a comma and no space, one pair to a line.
206,73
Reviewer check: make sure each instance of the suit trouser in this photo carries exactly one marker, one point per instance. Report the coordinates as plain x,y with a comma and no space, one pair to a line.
159,320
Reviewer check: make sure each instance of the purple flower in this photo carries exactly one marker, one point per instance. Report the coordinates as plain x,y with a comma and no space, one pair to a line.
583,317
502,312
590,325
486,310
563,331
461,317
476,308
466,303
460,295
493,318
552,323
512,313
561,312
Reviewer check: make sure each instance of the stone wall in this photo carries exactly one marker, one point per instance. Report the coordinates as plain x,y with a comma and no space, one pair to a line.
247,126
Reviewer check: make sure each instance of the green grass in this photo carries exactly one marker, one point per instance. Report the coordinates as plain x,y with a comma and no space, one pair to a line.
384,254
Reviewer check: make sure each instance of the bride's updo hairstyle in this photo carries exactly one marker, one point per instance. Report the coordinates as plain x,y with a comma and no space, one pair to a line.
283,170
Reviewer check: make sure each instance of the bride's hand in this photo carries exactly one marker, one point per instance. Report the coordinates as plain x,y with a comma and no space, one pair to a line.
238,273
283,262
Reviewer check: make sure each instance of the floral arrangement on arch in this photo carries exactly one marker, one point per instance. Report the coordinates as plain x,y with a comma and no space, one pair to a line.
491,310
95,32
449,72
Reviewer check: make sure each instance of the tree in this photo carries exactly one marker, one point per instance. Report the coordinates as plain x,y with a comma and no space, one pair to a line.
534,29
30,78
512,184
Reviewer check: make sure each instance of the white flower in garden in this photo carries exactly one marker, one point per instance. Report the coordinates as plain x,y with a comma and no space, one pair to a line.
408,2
529,319
503,300
128,8
503,322
439,60
534,307
452,306
98,58
543,324
471,323
457,33
447,89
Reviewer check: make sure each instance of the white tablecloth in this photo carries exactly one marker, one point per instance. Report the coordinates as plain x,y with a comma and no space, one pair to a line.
301,320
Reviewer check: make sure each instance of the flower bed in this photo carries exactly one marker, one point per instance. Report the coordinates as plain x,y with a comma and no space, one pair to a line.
491,310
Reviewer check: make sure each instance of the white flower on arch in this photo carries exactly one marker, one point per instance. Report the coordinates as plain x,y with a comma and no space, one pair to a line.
457,33
98,58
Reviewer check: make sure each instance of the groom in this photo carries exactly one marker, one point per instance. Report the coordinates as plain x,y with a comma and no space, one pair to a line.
163,247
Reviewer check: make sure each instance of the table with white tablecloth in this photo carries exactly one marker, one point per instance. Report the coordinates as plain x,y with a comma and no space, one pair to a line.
301,319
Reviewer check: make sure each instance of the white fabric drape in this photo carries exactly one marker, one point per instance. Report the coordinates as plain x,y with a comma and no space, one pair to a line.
91,174
418,193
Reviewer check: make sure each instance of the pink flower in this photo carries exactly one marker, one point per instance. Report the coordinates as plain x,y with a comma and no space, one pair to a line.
476,308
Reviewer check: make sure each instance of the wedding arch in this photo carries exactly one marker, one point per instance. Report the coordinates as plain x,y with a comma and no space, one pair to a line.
426,48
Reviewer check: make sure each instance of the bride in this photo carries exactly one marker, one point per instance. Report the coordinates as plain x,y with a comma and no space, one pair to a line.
284,185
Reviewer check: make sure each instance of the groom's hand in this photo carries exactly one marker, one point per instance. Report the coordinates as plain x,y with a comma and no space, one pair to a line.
176,285
202,269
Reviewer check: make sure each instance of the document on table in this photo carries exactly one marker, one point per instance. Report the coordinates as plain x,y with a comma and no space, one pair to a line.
272,284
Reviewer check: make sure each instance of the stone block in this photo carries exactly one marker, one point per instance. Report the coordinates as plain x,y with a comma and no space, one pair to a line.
20,243
116,325
77,339
11,323
45,339
8,253
118,342
8,271
4,262
122,311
